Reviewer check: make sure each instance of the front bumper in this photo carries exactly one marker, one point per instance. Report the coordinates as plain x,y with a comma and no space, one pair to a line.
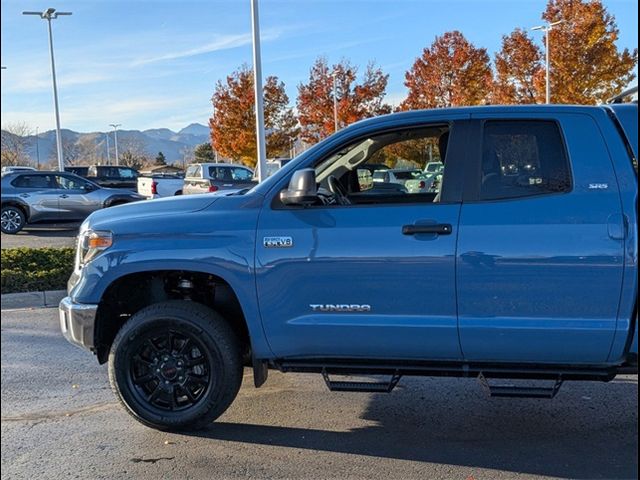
77,322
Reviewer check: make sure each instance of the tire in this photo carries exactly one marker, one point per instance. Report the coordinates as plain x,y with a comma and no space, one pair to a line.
13,219
163,387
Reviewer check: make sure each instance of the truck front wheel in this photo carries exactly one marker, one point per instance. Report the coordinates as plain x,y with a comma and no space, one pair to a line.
175,365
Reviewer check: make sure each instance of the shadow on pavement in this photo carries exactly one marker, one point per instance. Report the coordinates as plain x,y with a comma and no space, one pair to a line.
589,431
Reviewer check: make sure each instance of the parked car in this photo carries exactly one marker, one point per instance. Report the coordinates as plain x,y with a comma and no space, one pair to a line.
434,167
413,179
82,171
159,185
113,176
533,277
16,168
39,197
211,177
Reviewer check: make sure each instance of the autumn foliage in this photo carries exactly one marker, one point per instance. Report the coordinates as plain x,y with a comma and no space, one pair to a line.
233,124
519,71
586,66
355,100
452,71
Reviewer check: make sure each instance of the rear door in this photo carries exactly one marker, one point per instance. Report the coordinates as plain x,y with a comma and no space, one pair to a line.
41,193
540,248
127,178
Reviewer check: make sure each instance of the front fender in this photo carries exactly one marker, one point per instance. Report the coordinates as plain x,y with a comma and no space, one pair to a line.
226,251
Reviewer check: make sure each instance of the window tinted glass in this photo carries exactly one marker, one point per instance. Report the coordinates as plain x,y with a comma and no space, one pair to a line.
70,183
34,181
390,167
241,174
126,173
523,158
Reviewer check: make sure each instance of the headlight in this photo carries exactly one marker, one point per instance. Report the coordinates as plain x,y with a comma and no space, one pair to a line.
90,244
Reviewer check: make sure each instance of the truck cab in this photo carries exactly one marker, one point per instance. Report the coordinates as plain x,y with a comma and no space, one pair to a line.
521,264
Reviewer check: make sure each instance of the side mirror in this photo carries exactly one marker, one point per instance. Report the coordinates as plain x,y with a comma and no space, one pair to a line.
88,187
302,188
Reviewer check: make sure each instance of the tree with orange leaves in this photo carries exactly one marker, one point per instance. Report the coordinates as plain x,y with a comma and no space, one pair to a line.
355,101
586,66
233,124
451,72
518,70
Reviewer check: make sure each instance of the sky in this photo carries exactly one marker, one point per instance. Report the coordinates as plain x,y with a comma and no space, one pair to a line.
154,64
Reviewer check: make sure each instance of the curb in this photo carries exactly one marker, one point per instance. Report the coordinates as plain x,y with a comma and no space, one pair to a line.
48,298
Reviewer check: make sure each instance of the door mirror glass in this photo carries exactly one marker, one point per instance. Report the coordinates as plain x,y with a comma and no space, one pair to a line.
365,179
302,188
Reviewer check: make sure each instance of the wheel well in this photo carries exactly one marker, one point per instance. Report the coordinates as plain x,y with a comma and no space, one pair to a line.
131,293
18,205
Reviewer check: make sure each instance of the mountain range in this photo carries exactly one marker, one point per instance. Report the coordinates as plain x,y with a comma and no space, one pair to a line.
174,145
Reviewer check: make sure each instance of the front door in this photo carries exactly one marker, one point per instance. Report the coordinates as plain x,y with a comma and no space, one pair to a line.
370,272
75,198
540,249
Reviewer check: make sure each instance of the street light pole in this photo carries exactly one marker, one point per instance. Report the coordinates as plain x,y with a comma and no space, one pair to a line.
261,149
115,139
106,135
547,29
48,15
335,102
37,149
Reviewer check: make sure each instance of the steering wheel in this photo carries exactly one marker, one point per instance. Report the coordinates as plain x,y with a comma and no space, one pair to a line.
338,190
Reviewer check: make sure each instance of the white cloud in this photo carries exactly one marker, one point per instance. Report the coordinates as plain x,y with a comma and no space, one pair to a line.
95,112
221,42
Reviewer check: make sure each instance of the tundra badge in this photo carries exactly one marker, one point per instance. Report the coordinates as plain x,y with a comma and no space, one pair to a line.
277,242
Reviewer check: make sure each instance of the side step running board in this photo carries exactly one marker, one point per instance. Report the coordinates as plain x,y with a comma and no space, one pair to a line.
513,391
372,387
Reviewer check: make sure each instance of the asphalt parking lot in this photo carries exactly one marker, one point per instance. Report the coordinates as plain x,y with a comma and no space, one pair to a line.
60,235
60,420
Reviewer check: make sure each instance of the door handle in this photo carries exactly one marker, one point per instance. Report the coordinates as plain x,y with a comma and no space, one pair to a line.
24,195
64,195
438,228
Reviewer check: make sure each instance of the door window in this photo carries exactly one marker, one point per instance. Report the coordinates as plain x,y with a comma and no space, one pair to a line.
126,172
523,158
70,183
241,174
34,181
388,168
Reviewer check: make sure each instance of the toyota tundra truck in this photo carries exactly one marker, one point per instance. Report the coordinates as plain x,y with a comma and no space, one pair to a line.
522,265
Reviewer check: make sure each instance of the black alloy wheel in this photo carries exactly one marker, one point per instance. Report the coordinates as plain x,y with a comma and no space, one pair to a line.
175,365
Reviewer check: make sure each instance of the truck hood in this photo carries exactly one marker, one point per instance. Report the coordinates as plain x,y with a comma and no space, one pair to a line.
149,208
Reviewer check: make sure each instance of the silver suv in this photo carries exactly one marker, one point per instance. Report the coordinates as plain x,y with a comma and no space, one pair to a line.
211,177
33,197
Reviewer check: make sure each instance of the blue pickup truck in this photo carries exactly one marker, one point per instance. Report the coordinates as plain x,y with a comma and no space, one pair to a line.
522,265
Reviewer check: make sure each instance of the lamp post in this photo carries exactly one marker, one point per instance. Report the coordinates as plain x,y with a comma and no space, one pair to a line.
261,149
106,135
115,139
48,15
547,29
335,102
37,149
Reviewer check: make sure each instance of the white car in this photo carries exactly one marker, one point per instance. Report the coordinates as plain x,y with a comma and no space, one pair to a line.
158,186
